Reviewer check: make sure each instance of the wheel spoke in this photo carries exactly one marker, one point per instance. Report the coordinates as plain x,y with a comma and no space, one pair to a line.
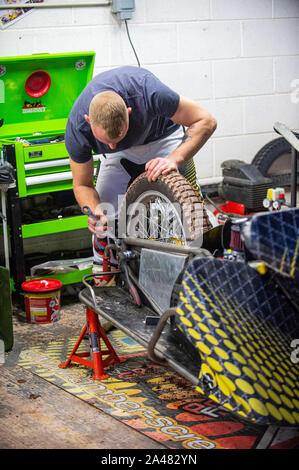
156,218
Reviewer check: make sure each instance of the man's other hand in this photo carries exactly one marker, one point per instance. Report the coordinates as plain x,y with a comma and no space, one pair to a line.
159,166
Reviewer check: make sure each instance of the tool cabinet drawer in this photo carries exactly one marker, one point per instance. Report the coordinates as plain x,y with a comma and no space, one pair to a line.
44,152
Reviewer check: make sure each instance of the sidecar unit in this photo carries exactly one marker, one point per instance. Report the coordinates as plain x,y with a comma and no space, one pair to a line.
233,332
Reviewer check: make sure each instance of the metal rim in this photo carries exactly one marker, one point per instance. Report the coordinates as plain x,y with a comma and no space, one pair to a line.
160,219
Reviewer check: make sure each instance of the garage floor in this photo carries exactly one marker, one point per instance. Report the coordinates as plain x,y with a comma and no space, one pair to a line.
140,406
37,414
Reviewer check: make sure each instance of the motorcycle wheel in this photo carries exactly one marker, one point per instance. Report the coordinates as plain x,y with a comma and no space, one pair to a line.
167,210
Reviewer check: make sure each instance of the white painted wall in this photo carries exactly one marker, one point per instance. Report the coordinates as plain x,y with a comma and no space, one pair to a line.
238,58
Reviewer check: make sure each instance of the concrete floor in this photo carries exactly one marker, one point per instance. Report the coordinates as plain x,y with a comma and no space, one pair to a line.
35,414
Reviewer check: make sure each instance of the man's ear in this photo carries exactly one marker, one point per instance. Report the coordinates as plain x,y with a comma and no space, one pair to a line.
129,111
87,118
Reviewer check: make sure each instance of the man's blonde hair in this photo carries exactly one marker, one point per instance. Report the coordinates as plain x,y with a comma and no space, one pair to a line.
108,110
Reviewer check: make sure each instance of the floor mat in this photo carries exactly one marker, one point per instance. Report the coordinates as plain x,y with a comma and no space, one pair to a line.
152,399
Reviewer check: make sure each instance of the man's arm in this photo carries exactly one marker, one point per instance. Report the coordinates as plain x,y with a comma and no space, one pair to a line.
201,125
84,191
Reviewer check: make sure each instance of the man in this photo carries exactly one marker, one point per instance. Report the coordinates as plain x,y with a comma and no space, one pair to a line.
132,118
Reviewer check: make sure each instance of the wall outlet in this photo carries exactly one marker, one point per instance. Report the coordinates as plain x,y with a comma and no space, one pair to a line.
123,8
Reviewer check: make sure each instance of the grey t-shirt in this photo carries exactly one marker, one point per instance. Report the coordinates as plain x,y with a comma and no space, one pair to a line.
152,103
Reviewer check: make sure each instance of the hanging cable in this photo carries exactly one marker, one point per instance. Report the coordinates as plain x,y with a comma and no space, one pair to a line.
132,43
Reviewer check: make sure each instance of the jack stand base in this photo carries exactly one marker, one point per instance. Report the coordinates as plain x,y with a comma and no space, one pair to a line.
96,333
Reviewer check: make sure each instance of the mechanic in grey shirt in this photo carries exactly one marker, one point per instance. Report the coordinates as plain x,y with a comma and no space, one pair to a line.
129,115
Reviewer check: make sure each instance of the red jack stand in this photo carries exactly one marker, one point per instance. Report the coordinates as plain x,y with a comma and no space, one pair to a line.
96,332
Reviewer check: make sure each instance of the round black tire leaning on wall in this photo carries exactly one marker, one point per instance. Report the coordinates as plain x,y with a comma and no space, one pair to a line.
274,161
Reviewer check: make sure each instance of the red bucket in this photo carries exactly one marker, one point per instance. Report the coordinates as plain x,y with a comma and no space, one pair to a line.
42,300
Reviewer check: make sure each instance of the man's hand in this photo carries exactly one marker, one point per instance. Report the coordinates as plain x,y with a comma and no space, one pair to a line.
98,227
159,166
86,195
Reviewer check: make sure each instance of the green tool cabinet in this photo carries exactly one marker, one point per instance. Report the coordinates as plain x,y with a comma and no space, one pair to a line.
36,96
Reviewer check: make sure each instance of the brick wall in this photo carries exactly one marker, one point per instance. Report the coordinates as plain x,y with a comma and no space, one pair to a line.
238,58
